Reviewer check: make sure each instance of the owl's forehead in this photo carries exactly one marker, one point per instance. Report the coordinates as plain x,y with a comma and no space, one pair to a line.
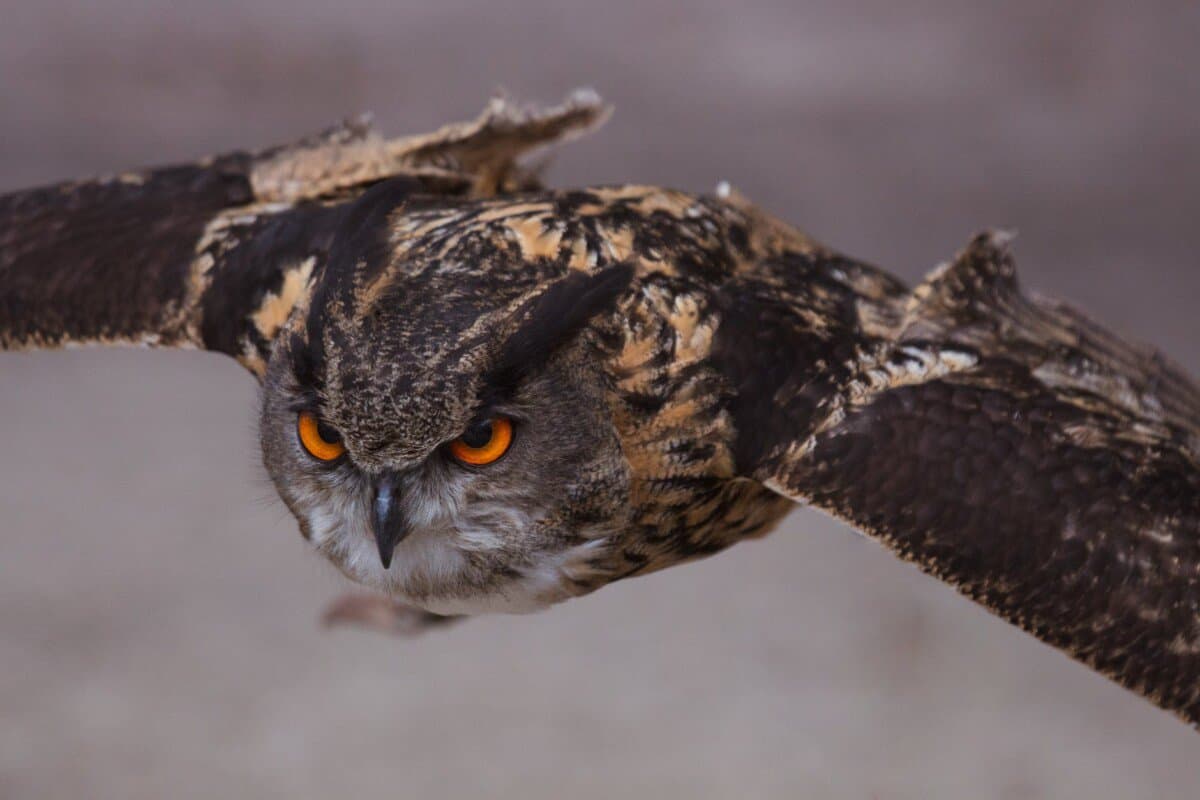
399,329
402,377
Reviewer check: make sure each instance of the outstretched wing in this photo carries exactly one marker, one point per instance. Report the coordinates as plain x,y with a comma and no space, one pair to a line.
1017,451
216,254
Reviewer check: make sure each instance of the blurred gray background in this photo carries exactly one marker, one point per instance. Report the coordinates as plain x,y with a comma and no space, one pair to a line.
158,633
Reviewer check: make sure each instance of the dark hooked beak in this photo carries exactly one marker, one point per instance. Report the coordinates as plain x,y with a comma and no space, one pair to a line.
387,518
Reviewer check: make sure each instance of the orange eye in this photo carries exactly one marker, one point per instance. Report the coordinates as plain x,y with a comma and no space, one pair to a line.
318,439
484,442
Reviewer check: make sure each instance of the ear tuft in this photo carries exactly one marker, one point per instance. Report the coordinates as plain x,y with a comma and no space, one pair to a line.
551,320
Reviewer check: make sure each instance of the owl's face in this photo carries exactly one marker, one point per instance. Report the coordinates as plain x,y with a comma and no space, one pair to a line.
448,442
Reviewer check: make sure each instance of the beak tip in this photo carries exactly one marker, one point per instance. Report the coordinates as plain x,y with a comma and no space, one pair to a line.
388,522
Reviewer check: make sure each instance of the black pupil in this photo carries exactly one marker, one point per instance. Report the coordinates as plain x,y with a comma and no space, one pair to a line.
478,435
327,433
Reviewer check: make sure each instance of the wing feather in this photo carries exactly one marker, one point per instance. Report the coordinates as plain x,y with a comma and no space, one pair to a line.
216,254
1023,454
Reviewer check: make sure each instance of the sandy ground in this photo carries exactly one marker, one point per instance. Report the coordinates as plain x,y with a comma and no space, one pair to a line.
158,611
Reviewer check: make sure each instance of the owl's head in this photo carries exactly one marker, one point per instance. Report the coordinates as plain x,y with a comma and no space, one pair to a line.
440,431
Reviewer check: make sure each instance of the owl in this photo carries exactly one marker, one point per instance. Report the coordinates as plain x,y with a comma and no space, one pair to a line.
482,395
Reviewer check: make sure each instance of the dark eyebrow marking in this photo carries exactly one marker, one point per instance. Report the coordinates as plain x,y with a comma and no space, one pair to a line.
301,361
549,321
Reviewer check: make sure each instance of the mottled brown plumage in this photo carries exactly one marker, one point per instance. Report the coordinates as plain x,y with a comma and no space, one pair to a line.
680,370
